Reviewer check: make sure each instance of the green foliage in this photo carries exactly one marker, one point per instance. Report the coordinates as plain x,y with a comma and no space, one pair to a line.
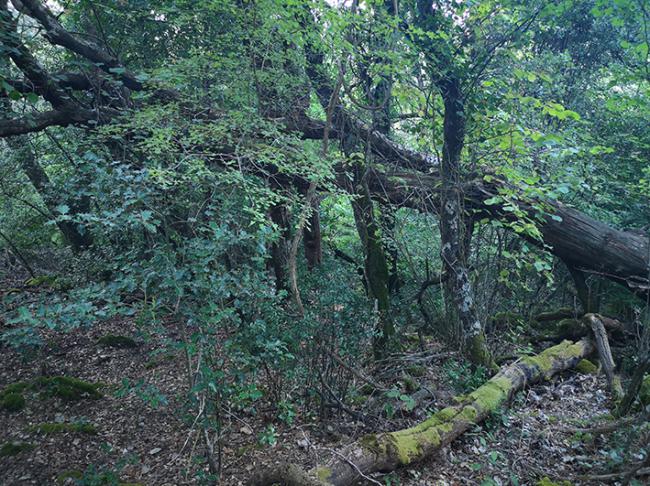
462,377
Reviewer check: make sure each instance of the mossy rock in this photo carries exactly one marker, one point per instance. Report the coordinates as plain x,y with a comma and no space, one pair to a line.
586,367
57,428
115,341
67,388
644,392
14,448
12,402
545,481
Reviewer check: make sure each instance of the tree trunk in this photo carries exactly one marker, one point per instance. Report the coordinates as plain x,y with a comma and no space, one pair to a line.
388,451
375,266
458,286
312,237
280,247
71,231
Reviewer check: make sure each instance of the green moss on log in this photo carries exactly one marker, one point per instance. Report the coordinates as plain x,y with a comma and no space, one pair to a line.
116,341
14,448
492,394
586,367
544,361
58,428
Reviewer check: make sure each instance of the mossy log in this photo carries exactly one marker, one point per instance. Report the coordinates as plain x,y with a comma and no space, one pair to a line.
574,329
557,315
387,451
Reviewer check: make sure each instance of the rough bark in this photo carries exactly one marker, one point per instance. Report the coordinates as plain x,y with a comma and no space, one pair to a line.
280,247
312,237
375,266
388,451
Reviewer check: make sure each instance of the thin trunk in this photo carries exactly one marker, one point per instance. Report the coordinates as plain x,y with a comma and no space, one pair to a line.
312,237
453,227
72,233
280,247
375,266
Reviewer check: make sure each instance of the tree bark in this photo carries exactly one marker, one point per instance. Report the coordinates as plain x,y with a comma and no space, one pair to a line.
72,233
312,237
387,451
280,247
458,286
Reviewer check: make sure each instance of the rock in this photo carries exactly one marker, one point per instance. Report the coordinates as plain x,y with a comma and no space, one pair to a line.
246,430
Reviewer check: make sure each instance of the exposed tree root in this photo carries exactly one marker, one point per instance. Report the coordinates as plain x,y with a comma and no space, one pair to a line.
387,451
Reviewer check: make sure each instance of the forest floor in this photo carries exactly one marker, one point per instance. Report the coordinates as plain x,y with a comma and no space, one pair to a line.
140,441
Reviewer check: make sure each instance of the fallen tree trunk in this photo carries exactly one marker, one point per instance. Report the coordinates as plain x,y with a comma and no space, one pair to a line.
387,451
575,237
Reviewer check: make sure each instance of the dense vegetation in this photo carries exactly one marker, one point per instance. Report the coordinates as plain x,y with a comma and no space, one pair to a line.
287,197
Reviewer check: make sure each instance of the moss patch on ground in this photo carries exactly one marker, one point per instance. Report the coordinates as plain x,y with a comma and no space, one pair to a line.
57,428
12,402
67,388
13,396
14,448
116,341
